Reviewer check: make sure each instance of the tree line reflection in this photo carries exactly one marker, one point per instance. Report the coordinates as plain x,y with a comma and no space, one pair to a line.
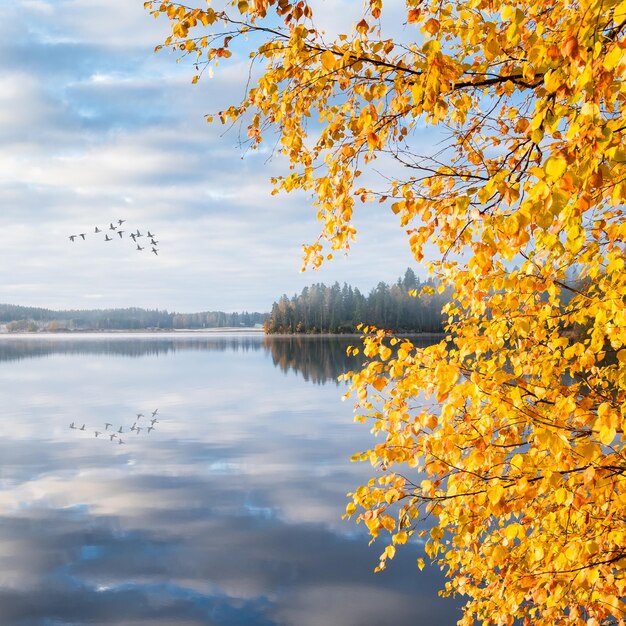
15,349
318,359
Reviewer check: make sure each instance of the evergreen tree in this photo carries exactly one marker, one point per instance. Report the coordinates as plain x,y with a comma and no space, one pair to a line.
336,309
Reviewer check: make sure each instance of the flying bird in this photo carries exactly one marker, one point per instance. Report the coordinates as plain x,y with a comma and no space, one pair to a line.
139,415
149,234
155,251
120,442
97,230
107,238
150,428
111,227
154,412
138,429
153,242
83,236
72,426
120,222
138,233
133,236
139,247
82,427
72,237
119,232
106,426
120,430
112,436
96,433
154,421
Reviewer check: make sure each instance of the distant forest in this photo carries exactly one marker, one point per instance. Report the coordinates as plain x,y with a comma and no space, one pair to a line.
31,319
318,309
336,309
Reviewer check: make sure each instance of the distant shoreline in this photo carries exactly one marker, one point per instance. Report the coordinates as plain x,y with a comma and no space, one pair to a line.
201,331
137,331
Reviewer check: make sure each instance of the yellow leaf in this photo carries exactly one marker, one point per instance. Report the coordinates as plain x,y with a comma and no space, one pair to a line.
441,109
328,60
572,552
372,140
401,537
495,493
607,434
379,383
555,167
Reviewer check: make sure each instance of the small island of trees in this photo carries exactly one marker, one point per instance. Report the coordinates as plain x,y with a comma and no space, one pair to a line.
335,309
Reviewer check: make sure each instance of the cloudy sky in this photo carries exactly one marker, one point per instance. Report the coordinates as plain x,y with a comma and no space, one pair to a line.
96,127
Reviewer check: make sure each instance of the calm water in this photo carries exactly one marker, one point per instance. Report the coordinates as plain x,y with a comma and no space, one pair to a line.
227,513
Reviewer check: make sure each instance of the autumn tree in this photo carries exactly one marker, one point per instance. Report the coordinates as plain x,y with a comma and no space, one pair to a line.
509,435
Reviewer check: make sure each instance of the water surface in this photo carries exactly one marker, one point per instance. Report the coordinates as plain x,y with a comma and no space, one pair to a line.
228,512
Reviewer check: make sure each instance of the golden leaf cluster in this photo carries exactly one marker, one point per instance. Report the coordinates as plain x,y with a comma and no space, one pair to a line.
503,445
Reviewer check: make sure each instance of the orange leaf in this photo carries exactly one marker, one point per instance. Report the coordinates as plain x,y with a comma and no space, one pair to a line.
414,15
431,26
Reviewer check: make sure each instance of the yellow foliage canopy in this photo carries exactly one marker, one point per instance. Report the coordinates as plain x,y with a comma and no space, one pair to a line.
509,434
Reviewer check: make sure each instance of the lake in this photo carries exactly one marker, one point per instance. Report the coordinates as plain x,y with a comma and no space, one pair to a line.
227,512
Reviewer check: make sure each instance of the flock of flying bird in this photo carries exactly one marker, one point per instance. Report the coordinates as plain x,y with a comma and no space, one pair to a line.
116,229
114,434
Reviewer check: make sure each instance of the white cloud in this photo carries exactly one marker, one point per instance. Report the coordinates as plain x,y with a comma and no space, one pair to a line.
110,23
94,126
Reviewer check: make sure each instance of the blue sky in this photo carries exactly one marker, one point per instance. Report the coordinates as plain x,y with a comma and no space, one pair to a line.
96,127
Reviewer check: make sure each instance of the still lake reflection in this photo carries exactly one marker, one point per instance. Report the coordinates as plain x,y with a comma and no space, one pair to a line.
227,513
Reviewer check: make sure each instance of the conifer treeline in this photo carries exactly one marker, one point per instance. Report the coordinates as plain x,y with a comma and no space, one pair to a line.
24,319
336,309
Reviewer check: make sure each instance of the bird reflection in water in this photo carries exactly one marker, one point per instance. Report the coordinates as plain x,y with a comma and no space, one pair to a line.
114,435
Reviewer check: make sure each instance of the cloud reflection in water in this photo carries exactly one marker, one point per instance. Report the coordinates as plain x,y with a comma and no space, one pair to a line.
228,514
